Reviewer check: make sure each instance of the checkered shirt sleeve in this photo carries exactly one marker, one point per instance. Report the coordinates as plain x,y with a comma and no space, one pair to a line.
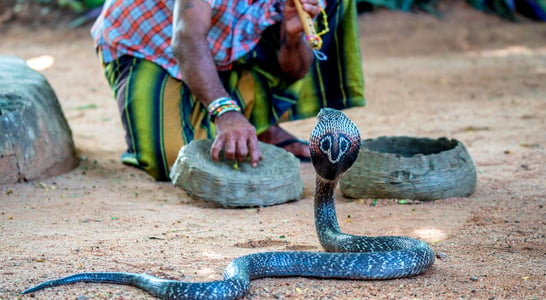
143,28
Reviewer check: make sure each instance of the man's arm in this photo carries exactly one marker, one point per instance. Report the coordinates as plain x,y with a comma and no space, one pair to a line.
295,57
234,134
191,23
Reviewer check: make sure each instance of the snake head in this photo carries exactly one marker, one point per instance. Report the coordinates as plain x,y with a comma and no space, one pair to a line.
334,143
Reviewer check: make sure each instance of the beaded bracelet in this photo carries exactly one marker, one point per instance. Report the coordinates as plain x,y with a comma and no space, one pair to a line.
221,106
219,102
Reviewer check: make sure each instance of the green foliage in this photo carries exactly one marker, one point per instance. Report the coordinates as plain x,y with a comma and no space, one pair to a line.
403,5
427,6
506,9
503,8
76,6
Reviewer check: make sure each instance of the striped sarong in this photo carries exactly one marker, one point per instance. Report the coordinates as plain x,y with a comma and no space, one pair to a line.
160,114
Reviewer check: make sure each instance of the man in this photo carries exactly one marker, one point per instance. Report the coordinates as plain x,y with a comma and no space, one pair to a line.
229,70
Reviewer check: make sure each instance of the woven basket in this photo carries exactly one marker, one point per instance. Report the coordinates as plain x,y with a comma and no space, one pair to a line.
410,168
275,180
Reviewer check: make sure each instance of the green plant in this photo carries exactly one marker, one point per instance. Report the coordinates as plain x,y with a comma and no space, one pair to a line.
77,6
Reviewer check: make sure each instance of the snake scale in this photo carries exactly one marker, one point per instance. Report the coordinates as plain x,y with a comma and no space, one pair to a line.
334,145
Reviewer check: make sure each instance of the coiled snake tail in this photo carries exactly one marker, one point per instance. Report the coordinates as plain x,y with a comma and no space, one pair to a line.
334,145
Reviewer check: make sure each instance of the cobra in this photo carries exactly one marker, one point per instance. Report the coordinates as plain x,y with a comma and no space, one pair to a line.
334,145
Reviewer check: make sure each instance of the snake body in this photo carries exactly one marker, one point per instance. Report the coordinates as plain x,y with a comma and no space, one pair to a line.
334,145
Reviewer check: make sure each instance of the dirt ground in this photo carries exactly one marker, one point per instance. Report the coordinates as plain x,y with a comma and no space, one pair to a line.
468,76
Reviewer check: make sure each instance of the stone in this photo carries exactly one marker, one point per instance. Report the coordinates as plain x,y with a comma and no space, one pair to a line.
35,138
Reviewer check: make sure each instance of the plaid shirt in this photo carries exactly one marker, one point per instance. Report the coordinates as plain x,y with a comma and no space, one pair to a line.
143,28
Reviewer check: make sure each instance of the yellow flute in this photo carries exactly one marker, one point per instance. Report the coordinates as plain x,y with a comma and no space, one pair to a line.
311,37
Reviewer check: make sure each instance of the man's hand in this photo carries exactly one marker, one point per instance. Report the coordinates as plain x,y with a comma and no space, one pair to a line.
234,134
292,20
295,57
237,137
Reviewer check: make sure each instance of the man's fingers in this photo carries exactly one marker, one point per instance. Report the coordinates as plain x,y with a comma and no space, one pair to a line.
312,7
230,149
242,151
216,148
237,138
254,152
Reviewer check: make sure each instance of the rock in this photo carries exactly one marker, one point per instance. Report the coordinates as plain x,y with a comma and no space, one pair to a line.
35,139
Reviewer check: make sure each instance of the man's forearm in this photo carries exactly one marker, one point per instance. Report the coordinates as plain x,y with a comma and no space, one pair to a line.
190,26
295,57
198,70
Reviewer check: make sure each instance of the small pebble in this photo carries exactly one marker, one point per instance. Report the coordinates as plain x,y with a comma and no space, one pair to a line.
473,278
441,255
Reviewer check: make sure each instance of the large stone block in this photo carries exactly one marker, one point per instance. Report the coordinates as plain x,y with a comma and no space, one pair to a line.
35,139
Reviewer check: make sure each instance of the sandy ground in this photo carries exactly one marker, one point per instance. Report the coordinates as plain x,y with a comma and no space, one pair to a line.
469,76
